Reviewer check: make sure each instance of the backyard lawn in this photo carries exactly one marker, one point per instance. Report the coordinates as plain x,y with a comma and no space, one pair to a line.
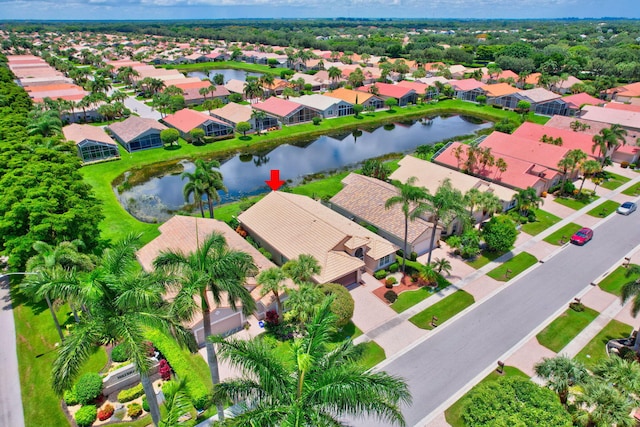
513,267
614,280
454,413
443,310
565,328
564,233
575,204
614,181
595,349
543,221
605,209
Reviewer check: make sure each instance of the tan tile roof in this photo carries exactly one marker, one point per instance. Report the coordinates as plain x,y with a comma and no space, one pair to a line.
78,133
365,197
233,112
295,225
133,127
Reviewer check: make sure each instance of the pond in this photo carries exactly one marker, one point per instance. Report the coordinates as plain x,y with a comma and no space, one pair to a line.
228,74
160,196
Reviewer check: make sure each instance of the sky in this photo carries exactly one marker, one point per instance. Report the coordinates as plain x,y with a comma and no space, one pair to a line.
230,9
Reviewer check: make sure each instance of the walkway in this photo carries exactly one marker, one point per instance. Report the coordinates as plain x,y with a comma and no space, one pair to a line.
142,109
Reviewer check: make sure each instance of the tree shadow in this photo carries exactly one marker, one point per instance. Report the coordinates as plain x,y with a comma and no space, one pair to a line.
245,138
172,147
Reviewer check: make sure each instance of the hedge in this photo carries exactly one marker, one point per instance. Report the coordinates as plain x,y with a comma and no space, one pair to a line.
119,354
86,415
88,387
131,393
70,397
198,391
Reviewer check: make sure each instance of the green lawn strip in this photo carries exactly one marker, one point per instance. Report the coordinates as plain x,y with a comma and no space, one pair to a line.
348,331
614,280
453,414
517,265
605,209
444,309
567,231
595,349
371,355
235,65
614,181
484,258
564,328
543,221
634,190
575,204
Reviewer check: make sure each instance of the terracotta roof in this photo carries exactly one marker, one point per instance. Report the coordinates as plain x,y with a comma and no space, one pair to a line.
466,84
277,106
295,225
133,127
390,90
579,99
532,79
632,89
506,74
350,96
78,133
236,86
419,87
530,150
499,89
570,139
570,81
365,197
563,122
625,107
186,119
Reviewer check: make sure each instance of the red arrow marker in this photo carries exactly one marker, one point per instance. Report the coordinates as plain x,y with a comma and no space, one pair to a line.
275,181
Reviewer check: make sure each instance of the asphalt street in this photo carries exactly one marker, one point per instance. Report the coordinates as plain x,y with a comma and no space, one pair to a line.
445,362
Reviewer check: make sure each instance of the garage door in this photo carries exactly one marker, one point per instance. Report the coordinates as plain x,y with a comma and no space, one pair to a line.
348,280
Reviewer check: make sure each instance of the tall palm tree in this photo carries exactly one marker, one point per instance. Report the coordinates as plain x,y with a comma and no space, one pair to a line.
490,204
411,200
560,373
177,402
565,165
602,405
334,74
195,186
266,82
588,169
471,199
272,280
630,290
212,180
122,302
527,200
312,385
207,277
252,88
258,117
443,206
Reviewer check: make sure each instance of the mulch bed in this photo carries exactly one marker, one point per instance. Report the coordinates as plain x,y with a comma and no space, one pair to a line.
405,285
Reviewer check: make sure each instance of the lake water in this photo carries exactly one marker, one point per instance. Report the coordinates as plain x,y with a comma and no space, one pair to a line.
228,74
161,196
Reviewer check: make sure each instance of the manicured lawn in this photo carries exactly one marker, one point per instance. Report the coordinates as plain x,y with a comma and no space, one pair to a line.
575,203
443,310
543,221
517,265
453,414
408,299
595,350
567,231
372,354
614,280
349,331
605,209
614,181
565,328
484,258
634,190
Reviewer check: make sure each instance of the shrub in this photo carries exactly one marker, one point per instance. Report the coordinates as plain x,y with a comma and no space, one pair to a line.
86,416
576,306
88,387
380,274
165,370
118,354
532,216
272,318
342,305
390,296
413,256
106,412
500,233
134,410
399,253
627,353
266,253
624,165
316,120
131,393
393,268
145,404
70,397
391,280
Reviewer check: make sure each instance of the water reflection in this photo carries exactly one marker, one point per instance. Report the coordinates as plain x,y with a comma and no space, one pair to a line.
244,174
228,74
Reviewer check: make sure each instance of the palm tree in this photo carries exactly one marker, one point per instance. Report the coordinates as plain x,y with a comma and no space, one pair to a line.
527,200
258,117
588,169
213,271
212,179
176,401
442,264
272,280
302,269
266,82
411,200
334,74
252,88
565,164
602,405
195,186
561,373
122,302
501,165
622,374
471,199
302,303
444,205
630,290
311,385
490,204
47,124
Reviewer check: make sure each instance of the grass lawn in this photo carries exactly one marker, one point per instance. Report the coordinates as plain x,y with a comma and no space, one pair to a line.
543,221
454,413
443,310
605,209
408,299
372,354
634,190
575,203
517,265
614,281
567,231
565,328
614,181
484,258
595,350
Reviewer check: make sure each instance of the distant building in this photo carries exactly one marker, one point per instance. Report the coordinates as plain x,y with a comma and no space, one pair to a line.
93,143
137,133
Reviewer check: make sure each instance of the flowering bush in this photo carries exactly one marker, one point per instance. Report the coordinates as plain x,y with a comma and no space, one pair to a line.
165,370
106,412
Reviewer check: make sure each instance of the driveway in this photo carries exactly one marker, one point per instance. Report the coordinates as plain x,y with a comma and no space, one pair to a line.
142,109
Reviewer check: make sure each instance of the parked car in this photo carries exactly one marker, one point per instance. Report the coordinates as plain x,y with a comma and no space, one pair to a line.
582,236
626,208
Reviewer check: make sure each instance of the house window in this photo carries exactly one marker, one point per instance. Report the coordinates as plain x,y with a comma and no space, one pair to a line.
359,253
384,261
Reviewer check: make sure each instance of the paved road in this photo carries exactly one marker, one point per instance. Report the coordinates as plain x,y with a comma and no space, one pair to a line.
142,109
10,399
444,363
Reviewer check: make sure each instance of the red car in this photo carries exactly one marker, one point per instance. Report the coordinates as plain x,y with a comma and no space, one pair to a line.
582,236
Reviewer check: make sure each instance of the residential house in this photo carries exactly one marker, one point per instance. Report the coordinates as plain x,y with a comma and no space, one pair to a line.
467,89
235,86
577,101
625,93
458,71
289,225
499,94
233,114
185,120
502,76
192,95
564,86
328,106
630,120
420,88
543,101
184,234
137,133
92,142
367,100
286,112
404,95
362,199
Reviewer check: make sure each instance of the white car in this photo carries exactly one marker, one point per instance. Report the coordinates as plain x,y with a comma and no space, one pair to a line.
626,208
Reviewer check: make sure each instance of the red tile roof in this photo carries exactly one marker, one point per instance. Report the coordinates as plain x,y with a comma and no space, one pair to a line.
466,84
277,106
579,99
386,89
186,119
625,107
420,88
530,150
570,140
